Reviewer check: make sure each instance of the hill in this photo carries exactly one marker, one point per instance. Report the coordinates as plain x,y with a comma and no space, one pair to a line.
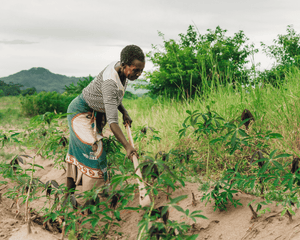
140,91
40,78
44,80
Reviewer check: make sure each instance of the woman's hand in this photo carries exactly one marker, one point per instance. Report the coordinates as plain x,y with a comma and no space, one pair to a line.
130,152
121,138
127,119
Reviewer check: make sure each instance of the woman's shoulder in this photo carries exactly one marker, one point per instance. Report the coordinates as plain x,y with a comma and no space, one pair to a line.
98,82
110,73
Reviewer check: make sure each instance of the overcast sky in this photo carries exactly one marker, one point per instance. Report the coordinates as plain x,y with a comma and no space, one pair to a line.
78,38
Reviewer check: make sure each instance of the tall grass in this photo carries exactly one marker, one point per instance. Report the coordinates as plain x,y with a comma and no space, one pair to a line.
274,108
10,113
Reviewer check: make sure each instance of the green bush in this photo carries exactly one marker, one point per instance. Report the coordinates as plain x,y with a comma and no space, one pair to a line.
43,102
28,91
198,62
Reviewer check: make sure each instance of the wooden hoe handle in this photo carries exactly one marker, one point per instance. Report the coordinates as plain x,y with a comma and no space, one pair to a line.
144,200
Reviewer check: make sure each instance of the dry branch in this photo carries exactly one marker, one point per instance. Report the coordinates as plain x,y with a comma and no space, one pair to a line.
49,226
63,231
254,214
289,215
31,180
18,208
194,202
28,226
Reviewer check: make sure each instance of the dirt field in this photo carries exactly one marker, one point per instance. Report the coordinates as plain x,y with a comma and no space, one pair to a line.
235,223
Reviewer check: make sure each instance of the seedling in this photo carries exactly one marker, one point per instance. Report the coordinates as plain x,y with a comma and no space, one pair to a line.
158,229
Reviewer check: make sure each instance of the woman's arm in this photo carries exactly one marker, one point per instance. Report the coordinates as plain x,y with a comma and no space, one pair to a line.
111,109
126,117
115,128
122,109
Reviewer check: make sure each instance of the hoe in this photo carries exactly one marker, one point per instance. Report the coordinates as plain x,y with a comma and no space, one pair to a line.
144,199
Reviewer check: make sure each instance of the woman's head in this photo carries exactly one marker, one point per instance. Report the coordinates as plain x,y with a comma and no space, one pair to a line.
132,62
130,53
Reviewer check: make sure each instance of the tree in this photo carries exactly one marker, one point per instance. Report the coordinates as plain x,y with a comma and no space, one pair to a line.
286,53
10,89
198,62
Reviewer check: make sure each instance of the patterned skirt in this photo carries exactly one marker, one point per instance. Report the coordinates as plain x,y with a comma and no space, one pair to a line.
85,129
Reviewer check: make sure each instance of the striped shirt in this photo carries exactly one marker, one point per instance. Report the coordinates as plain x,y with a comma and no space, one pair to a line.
105,93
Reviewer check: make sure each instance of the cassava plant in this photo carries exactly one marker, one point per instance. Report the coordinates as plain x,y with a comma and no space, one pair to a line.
207,124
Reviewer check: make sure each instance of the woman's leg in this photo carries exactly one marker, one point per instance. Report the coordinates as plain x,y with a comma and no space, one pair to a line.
70,185
71,174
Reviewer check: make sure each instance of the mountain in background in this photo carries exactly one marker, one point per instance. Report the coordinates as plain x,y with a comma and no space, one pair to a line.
44,80
40,78
140,91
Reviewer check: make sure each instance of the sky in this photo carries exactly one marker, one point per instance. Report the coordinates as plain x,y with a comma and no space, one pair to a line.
78,38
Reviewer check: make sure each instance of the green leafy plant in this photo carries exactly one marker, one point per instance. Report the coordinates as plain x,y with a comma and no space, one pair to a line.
11,136
168,228
47,127
211,124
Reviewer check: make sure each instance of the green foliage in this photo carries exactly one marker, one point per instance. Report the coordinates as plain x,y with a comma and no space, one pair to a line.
10,136
9,89
286,48
221,193
211,123
167,230
286,53
46,126
271,172
213,126
28,91
199,62
275,180
45,102
80,85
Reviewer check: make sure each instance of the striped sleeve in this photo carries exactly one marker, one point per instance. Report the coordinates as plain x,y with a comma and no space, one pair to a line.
110,100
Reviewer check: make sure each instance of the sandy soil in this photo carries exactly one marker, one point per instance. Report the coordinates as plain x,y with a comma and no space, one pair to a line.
235,223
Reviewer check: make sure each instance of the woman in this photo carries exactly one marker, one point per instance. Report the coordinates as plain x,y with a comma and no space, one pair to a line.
99,103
